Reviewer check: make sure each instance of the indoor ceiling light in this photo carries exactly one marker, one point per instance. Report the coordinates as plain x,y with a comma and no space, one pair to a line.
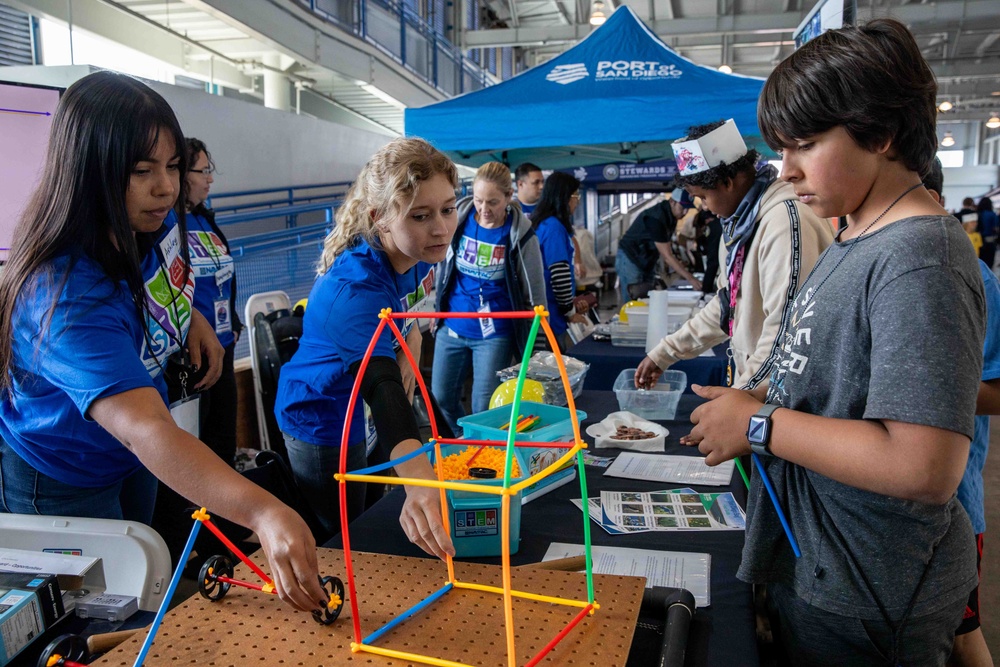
946,106
994,122
597,16
725,69
948,140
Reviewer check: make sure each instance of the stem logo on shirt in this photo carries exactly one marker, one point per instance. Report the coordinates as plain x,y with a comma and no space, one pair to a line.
413,301
208,253
169,295
480,260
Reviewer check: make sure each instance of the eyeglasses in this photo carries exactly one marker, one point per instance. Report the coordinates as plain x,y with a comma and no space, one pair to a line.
207,171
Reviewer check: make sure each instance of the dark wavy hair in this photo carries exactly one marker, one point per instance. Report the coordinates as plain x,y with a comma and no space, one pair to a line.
872,80
193,147
554,202
104,125
721,173
985,204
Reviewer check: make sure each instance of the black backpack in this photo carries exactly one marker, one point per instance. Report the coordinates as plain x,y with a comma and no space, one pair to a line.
276,338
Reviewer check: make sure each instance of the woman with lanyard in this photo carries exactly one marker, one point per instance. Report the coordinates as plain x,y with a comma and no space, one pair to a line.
553,223
396,221
864,430
494,265
94,296
215,298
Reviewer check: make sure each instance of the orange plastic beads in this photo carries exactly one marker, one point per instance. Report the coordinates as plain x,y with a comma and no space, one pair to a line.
456,466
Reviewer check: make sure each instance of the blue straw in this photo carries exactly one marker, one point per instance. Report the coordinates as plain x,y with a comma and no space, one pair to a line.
370,639
181,562
777,506
402,459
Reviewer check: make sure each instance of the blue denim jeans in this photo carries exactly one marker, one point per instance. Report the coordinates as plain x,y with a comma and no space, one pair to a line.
24,490
630,274
313,467
453,356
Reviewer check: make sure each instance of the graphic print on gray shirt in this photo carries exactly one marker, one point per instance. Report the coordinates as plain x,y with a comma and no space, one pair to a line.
894,333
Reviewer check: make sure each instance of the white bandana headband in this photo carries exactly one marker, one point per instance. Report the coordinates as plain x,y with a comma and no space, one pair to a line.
723,144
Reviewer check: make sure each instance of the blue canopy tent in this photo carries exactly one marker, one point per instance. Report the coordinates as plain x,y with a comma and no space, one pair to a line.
621,94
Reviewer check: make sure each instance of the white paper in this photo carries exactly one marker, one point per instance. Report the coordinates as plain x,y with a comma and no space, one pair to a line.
672,569
666,468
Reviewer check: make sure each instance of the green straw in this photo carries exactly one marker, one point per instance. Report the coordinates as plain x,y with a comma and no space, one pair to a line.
743,473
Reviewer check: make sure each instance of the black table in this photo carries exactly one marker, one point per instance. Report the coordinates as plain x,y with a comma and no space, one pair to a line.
721,635
607,361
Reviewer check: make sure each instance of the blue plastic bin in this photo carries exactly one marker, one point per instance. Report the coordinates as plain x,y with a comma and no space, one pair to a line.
555,426
475,517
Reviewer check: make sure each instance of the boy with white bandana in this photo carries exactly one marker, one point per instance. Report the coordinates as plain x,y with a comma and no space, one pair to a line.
771,244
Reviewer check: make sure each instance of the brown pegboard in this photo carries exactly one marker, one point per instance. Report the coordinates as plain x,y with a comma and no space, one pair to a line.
251,628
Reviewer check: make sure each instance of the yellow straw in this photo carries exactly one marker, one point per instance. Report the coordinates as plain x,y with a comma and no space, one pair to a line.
403,655
521,594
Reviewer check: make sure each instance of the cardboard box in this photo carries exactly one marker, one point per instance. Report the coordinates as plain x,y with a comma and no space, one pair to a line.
80,577
29,604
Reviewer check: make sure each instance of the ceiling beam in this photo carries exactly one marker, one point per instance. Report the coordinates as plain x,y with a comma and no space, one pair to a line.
135,32
782,22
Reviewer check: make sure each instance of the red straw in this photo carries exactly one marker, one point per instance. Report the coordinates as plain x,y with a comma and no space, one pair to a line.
565,631
232,547
244,584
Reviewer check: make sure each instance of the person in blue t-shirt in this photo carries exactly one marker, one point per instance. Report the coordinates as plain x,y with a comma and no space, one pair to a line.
970,645
95,294
553,223
986,225
397,219
214,297
529,180
494,265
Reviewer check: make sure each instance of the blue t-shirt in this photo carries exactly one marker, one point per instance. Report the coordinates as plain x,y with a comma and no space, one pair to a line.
557,246
94,347
213,272
970,491
528,209
480,278
315,386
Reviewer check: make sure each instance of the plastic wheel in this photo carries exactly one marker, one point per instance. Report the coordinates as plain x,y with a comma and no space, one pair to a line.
208,583
335,590
68,647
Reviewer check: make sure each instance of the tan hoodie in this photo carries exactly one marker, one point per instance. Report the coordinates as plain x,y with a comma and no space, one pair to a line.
789,240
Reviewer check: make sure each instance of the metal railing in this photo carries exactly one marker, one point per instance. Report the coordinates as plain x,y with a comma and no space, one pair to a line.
405,36
292,194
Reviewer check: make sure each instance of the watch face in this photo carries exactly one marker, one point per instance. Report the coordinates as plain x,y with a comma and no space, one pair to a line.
757,432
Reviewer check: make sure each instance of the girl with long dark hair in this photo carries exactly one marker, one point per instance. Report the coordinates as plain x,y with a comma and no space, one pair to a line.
553,223
96,294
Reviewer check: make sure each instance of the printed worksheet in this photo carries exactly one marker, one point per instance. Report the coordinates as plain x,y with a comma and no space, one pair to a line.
667,468
672,511
673,569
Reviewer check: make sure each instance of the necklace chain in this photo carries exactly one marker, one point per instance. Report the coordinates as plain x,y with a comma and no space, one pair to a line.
863,232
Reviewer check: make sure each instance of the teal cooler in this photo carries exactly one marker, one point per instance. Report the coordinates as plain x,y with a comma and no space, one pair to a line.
475,518
555,426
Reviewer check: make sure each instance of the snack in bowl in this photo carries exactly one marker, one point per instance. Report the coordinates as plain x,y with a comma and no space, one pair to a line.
623,432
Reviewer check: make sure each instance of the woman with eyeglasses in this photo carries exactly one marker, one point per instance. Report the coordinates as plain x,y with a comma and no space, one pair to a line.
552,220
215,298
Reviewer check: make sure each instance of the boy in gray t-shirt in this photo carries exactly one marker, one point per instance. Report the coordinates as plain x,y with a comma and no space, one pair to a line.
877,375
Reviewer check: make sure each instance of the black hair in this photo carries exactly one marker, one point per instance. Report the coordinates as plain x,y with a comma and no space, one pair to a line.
721,173
194,147
872,80
524,169
934,178
985,204
554,202
104,125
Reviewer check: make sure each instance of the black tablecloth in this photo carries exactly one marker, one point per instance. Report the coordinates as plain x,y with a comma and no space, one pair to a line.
722,634
607,361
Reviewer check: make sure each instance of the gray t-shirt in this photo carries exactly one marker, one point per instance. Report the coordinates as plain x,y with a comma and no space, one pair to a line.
891,329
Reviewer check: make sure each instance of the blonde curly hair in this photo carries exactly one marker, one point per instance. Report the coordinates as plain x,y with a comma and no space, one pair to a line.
385,188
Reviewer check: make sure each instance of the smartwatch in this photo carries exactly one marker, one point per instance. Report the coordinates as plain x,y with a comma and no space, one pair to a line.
759,429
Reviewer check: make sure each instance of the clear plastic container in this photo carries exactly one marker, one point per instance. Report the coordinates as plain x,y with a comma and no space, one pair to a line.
660,402
624,334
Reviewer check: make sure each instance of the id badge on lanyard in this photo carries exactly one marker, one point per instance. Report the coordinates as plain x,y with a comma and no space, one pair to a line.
486,323
187,411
